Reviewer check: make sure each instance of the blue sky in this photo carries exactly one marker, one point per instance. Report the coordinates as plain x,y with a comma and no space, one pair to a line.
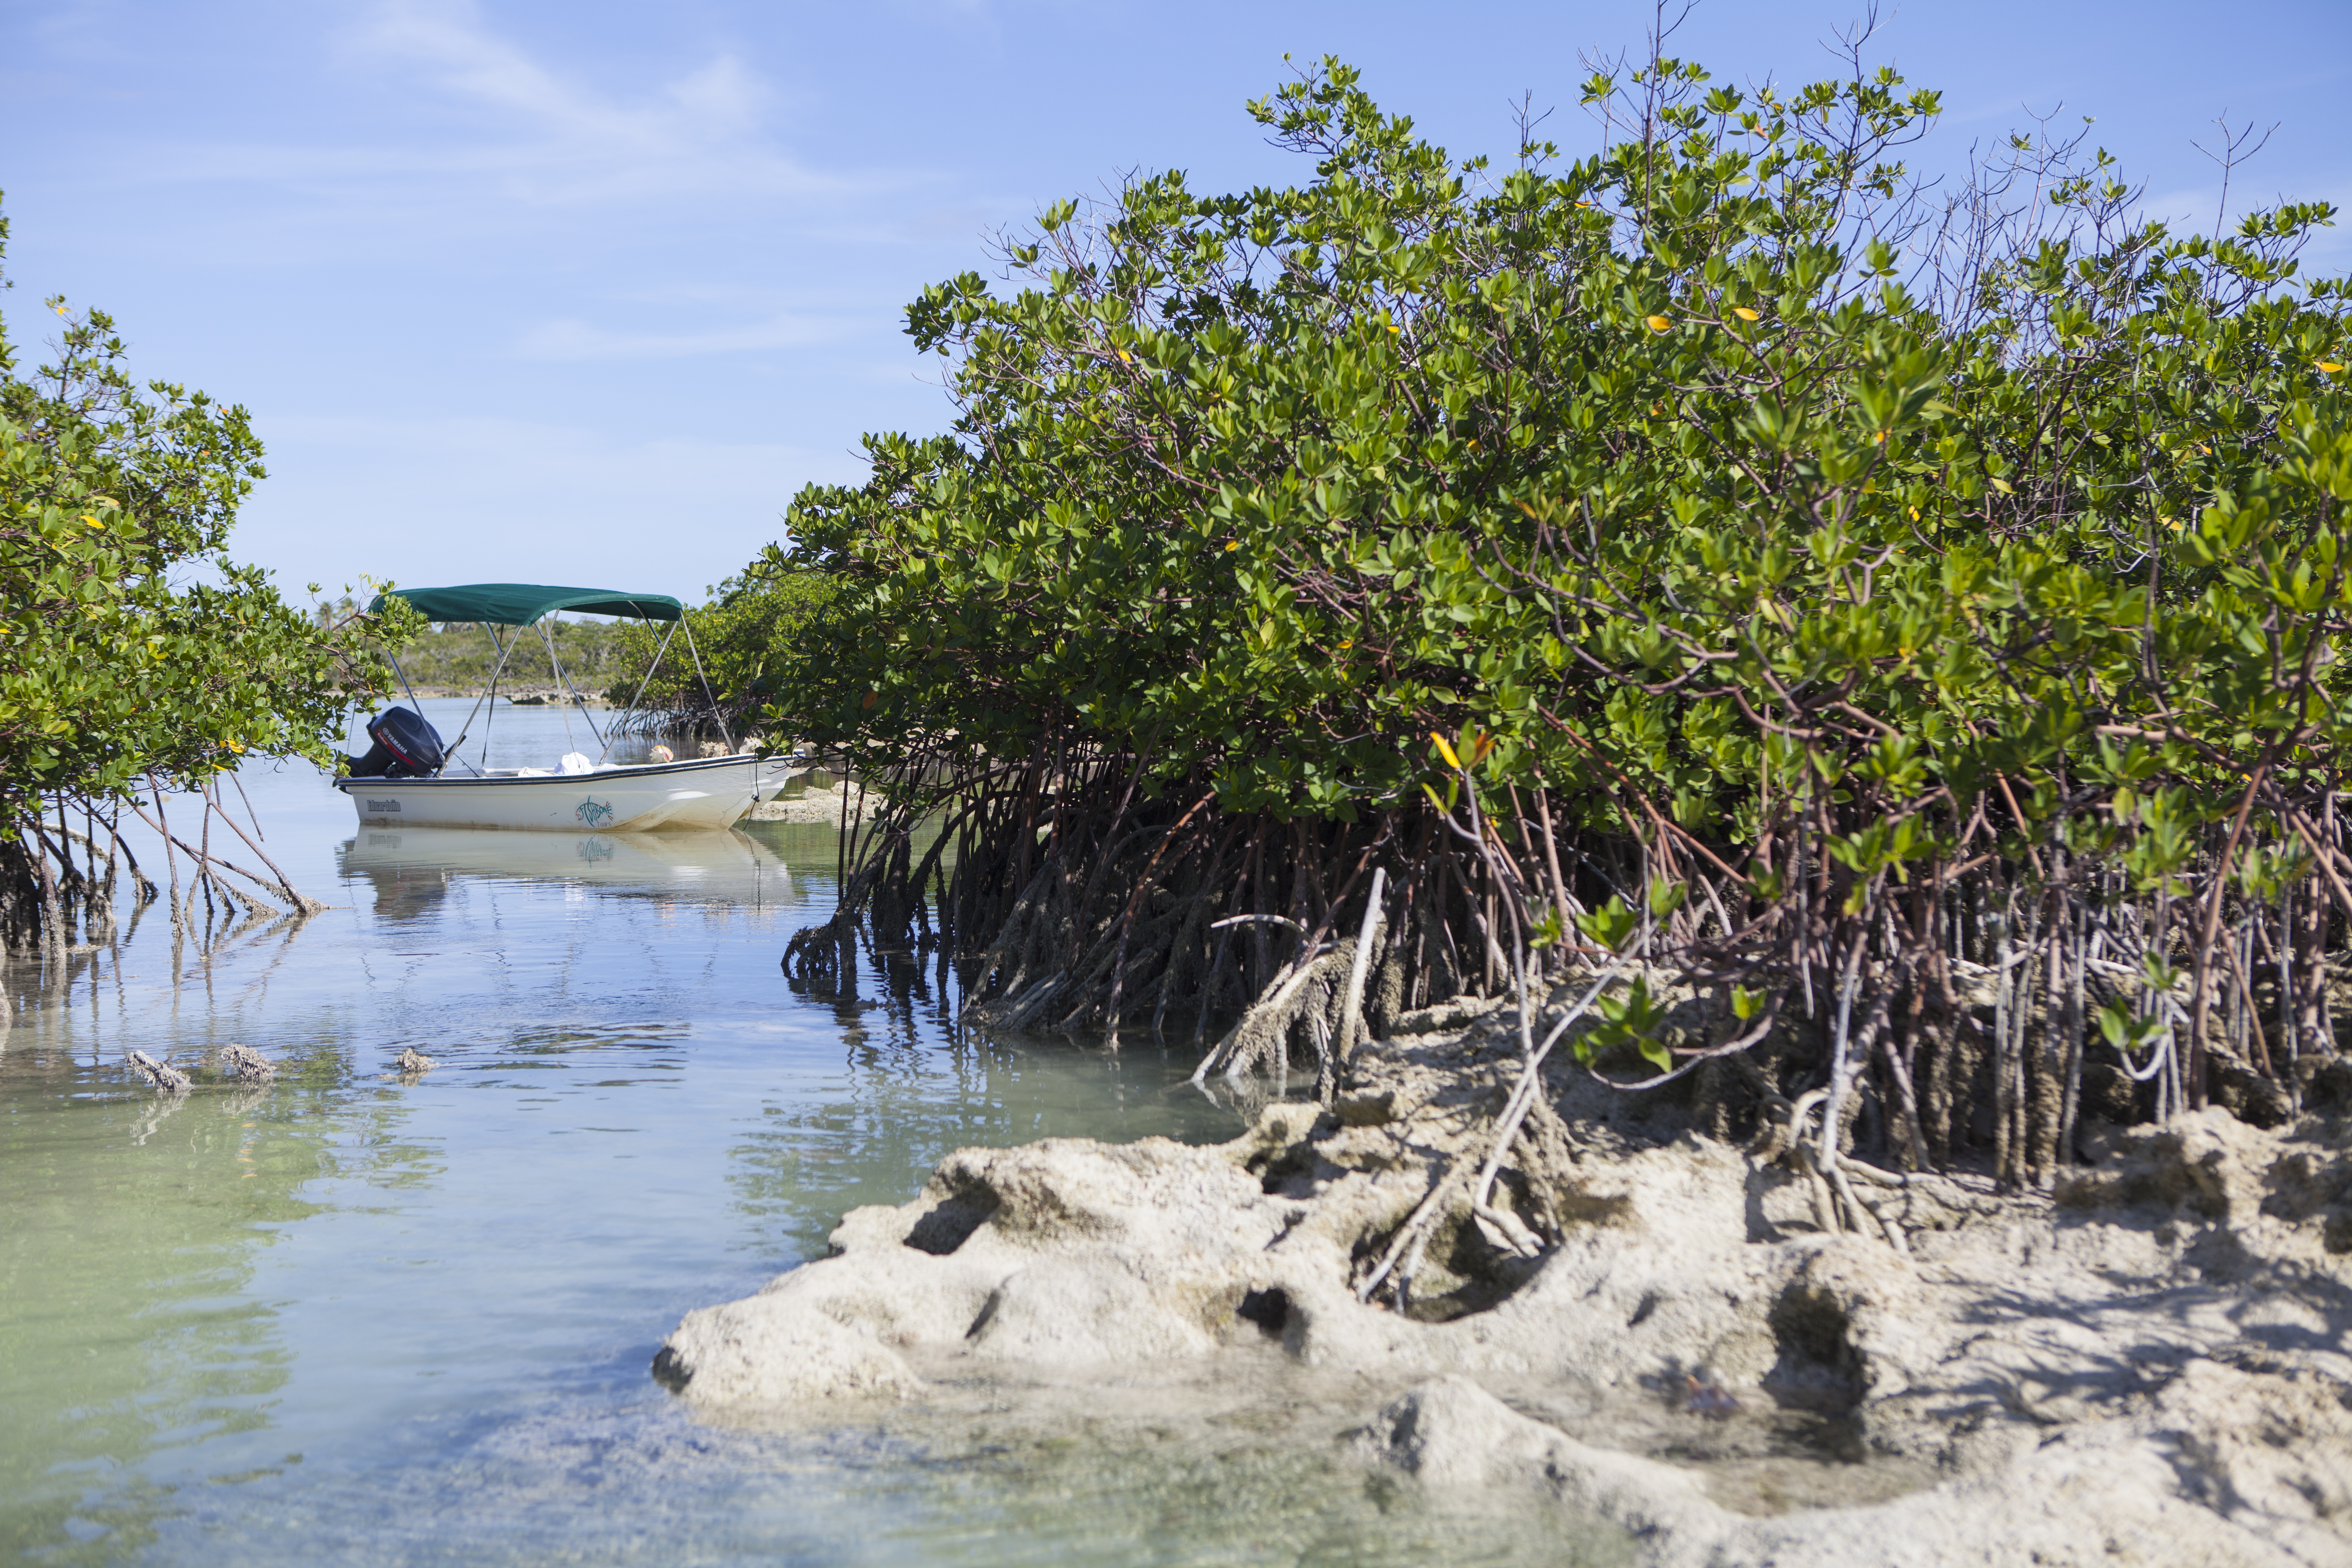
583,292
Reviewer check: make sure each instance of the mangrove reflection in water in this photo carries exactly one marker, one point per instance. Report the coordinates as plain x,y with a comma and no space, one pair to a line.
358,1316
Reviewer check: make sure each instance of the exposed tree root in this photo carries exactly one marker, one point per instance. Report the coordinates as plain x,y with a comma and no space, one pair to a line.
1954,1019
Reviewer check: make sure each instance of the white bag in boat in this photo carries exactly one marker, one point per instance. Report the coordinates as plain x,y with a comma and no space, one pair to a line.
576,762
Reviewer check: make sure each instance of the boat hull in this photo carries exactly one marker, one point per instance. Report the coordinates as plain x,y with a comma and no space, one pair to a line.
661,797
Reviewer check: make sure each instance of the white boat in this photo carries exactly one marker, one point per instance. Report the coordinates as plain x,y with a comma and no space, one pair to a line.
709,792
407,780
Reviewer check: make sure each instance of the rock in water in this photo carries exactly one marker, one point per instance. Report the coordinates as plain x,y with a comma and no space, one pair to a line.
245,1062
163,1075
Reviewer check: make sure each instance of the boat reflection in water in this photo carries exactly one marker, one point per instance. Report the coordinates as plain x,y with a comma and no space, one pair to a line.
412,868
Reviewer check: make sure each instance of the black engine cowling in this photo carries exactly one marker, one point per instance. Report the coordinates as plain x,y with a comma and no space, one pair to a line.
405,746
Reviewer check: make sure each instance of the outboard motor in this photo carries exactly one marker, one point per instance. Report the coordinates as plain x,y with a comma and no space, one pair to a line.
405,747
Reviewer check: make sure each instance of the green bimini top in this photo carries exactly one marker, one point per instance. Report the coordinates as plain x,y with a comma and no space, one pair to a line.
521,604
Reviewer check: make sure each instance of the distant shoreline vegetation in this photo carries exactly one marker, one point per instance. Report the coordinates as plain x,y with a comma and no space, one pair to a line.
750,626
450,659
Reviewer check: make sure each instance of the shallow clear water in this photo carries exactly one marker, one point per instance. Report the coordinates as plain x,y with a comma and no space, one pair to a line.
359,1318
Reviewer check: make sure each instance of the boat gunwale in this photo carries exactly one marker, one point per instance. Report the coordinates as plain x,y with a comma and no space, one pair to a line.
631,770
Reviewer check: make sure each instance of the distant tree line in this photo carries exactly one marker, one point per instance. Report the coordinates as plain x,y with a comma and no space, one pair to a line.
456,660
724,681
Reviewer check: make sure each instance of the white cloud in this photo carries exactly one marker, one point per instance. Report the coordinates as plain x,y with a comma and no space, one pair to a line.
572,339
559,140
444,136
485,122
717,100
447,141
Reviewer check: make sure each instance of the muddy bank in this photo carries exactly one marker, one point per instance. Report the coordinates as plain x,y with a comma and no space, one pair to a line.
2148,1364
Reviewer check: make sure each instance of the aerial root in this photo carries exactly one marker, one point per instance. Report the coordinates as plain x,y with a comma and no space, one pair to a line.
245,1062
167,1079
1261,1037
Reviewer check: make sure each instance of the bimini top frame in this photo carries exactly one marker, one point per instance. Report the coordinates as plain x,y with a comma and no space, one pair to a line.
520,604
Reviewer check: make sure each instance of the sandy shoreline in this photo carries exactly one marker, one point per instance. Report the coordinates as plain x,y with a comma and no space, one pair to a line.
819,807
2150,1363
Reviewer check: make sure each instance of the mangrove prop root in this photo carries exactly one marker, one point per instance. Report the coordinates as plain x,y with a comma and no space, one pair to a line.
167,1079
53,903
245,1062
1986,1008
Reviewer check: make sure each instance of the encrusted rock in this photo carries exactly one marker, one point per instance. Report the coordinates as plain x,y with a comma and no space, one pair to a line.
2105,1495
763,1352
2149,1365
